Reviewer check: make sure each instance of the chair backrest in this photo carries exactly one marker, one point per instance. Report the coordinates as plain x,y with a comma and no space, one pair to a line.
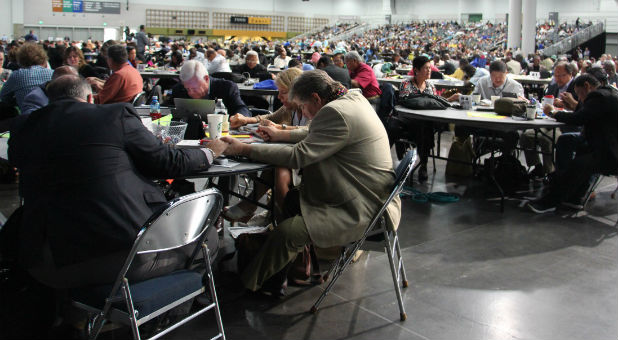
405,167
139,99
183,221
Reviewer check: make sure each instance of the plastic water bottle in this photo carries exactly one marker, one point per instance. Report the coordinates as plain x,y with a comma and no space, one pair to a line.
220,107
155,108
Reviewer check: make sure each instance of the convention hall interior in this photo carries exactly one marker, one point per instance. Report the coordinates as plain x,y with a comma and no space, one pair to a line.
309,169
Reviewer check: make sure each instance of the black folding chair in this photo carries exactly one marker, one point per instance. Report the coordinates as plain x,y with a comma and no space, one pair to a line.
139,99
183,221
376,229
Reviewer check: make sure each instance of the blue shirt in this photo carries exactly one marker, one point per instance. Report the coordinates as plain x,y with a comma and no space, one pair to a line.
22,81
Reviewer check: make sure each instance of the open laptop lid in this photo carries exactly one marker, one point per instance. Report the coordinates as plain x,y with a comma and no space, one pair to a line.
187,107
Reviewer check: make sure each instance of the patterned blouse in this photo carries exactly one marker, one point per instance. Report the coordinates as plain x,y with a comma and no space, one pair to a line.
409,87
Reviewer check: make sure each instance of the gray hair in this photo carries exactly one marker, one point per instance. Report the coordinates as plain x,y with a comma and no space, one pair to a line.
316,81
68,86
251,53
609,66
192,68
568,67
353,55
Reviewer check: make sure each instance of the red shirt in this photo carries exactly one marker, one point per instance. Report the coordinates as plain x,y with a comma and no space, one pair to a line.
121,87
367,79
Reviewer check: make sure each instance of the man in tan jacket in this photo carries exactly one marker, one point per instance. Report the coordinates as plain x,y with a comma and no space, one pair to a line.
347,173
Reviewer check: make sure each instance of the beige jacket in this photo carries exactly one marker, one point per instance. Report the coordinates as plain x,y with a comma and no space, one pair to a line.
347,170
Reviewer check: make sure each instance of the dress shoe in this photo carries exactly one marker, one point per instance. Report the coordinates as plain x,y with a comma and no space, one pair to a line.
235,213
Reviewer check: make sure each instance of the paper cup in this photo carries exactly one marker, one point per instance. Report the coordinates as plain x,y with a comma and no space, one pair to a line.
493,99
215,126
548,101
531,112
476,98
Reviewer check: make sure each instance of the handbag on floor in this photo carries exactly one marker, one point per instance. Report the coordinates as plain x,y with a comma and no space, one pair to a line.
460,152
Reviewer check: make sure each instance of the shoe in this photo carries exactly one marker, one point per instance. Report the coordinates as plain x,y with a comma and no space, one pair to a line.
537,173
235,213
576,203
541,207
573,205
422,173
261,219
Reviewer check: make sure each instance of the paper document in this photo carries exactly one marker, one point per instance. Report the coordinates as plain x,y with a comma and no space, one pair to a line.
237,231
484,115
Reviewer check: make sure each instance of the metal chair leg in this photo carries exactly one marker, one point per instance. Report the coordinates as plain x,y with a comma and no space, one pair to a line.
342,263
131,310
402,269
591,189
213,292
390,250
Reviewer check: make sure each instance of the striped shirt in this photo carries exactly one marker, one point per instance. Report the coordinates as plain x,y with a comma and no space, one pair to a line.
22,81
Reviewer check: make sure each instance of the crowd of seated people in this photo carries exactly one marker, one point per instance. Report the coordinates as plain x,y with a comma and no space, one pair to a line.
328,118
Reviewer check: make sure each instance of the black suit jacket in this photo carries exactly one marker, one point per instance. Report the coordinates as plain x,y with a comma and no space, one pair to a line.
339,74
599,116
554,90
259,71
86,178
219,89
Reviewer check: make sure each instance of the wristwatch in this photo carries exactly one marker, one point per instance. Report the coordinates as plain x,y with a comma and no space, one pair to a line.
284,127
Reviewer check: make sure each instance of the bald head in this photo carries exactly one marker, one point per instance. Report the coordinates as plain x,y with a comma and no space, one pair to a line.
64,71
68,86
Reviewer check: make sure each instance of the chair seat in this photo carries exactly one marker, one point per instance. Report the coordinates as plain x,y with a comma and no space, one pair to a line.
148,296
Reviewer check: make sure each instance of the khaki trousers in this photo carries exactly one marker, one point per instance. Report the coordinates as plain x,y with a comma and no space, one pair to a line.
280,248
527,142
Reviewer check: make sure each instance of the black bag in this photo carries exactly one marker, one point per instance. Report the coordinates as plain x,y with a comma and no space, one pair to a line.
509,173
510,107
423,101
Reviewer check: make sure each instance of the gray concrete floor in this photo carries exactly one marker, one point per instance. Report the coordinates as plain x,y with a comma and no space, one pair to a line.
474,273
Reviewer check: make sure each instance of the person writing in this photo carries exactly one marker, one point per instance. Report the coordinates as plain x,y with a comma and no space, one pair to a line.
347,174
287,117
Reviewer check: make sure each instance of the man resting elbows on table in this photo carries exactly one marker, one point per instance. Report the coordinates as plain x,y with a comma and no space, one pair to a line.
347,173
86,176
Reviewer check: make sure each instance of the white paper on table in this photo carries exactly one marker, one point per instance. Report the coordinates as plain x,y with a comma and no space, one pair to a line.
189,142
230,164
237,231
147,121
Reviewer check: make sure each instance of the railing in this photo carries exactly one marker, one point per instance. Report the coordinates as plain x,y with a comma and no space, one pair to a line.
362,28
307,34
575,40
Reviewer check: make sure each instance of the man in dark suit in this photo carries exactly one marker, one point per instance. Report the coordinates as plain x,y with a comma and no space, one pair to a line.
86,178
252,67
196,83
562,86
598,114
339,74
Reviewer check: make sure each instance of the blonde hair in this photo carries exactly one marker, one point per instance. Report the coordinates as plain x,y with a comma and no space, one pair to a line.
287,77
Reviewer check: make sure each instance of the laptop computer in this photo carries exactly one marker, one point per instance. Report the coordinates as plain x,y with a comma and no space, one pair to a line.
186,107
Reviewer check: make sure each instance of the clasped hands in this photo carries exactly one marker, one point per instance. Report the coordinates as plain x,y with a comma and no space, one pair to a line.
233,147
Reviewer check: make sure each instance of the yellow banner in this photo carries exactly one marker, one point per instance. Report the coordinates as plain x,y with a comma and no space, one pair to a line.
259,21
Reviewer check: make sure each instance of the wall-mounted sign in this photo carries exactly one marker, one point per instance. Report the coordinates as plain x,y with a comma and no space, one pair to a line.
239,20
250,20
80,6
259,21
